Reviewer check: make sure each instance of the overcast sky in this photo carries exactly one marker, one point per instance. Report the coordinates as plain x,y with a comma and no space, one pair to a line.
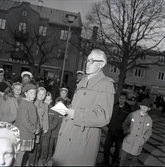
82,6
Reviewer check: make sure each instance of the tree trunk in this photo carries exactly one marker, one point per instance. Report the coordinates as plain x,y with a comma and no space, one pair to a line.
120,85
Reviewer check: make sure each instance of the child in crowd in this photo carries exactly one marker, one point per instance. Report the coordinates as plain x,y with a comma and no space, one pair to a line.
27,122
63,97
8,106
17,90
42,110
137,129
10,143
47,139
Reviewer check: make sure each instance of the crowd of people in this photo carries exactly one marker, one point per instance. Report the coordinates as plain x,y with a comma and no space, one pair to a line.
72,139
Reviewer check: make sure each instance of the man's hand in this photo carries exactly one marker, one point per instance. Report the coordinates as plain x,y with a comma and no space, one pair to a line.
45,131
70,113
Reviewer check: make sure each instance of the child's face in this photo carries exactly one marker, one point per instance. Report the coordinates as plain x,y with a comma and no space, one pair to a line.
63,93
41,95
31,94
7,152
17,89
144,108
26,79
48,100
122,99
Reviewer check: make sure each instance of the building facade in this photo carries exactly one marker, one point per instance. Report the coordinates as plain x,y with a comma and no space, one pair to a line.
33,38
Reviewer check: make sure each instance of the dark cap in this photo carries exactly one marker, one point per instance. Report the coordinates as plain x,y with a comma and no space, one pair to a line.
146,102
27,87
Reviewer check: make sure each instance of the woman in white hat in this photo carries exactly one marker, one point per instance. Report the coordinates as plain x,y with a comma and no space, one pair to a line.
26,77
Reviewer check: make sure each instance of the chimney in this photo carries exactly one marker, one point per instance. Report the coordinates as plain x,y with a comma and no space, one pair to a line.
94,33
40,3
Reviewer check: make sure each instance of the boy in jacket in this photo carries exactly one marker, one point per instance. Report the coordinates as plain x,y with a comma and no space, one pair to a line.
137,129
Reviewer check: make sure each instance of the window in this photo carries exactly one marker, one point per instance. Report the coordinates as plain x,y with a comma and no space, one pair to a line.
22,27
2,23
139,72
42,30
64,35
161,76
24,13
113,69
19,46
162,59
143,57
1,44
61,54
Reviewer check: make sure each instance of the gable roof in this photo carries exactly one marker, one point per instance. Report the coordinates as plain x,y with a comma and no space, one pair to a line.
55,16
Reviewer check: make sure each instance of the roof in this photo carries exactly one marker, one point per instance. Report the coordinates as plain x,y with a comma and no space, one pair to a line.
55,16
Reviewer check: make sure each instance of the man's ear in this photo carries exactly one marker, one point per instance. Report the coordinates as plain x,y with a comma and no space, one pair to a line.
102,64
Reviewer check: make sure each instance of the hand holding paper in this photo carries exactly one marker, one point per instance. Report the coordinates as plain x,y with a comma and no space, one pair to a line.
70,112
60,108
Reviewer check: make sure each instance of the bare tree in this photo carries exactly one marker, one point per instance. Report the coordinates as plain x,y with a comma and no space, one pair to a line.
135,28
35,47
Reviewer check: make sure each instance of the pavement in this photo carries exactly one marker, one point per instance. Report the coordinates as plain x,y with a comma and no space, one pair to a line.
153,153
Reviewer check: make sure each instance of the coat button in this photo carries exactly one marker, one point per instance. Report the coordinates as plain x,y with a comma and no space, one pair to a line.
59,134
136,135
138,128
69,139
84,93
140,122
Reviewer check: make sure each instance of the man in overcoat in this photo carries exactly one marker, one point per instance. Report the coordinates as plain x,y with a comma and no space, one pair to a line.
115,132
80,132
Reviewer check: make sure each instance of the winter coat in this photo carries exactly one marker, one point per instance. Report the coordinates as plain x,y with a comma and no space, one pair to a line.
27,120
138,130
53,122
8,109
79,138
42,110
118,117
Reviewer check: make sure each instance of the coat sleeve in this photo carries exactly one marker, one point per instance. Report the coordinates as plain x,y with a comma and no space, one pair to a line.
55,121
45,118
148,133
100,115
12,110
126,124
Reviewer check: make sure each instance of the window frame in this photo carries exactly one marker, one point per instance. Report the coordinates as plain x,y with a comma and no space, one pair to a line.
113,69
159,77
42,30
22,27
64,35
141,71
2,24
24,13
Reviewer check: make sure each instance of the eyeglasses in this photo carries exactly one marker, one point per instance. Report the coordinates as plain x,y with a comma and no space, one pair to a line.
91,61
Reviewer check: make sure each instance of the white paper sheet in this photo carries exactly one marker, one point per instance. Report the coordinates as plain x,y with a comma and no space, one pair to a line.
60,108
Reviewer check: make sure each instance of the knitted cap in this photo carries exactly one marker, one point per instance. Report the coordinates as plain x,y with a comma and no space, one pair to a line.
27,87
146,102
